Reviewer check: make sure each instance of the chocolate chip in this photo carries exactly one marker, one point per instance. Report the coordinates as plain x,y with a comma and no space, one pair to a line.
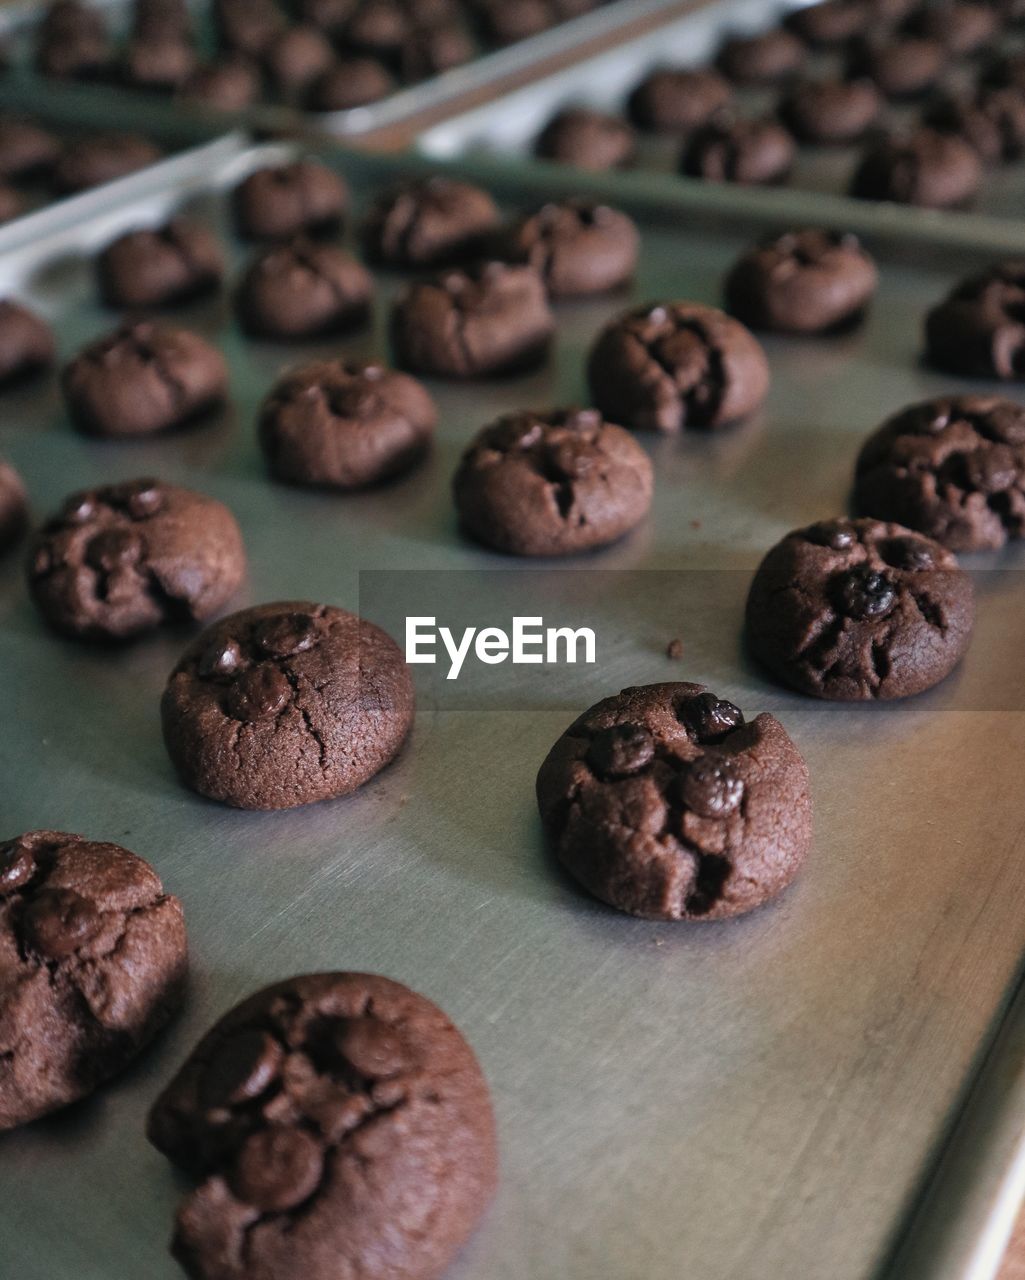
220,660
114,549
370,1047
17,866
708,718
832,534
992,470
621,750
79,509
59,921
244,1067
907,553
285,635
710,789
570,459
277,1169
865,593
258,693
145,501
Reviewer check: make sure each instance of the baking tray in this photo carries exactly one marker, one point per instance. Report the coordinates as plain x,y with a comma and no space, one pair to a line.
20,23
830,1088
505,128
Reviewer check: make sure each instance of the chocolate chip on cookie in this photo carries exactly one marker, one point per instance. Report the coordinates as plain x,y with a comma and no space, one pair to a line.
286,704
926,168
859,610
429,222
677,365
304,289
732,149
26,343
587,139
93,960
13,506
283,201
159,267
665,803
678,101
578,247
978,330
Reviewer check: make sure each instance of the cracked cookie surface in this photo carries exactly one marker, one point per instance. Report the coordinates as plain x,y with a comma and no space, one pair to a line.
283,201
340,1126
125,558
978,330
859,610
13,506
543,484
157,267
925,168
676,366
665,803
142,379
733,149
577,246
93,959
429,222
286,704
303,290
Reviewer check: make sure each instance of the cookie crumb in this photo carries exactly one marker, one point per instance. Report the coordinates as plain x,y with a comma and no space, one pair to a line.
674,650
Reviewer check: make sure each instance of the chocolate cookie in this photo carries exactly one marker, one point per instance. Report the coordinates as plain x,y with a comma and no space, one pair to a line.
962,28
91,162
429,50
286,704
13,506
992,121
74,55
351,83
26,343
926,168
577,247
26,148
952,468
13,203
676,366
489,319
829,23
809,281
766,58
158,63
859,610
831,112
93,960
429,222
123,559
677,101
141,379
282,201
547,484
304,290
748,152
232,83
587,139
339,1126
247,26
978,330
663,802
345,424
158,267
296,58
900,68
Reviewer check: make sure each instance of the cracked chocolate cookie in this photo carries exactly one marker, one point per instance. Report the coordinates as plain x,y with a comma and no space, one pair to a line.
677,101
304,290
26,149
351,82
859,610
978,330
899,67
93,961
90,162
831,112
829,23
809,281
765,58
26,343
141,379
345,424
13,506
992,121
587,139
952,468
162,266
676,366
123,559
159,62
286,704
338,1125
926,168
247,26
230,83
489,319
578,247
430,222
748,152
665,803
297,58
961,28
547,484
287,200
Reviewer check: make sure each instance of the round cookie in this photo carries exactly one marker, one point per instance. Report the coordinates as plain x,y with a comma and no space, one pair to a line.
765,58
297,58
962,28
74,55
831,112
13,506
247,26
925,168
830,22
676,366
91,162
578,247
809,281
978,330
124,559
678,100
158,63
232,83
547,484
900,68
952,468
26,148
287,200
587,139
506,21
429,50
489,319
339,1125
429,222
748,152
286,704
859,610
141,379
663,802
351,83
159,267
26,343
304,290
93,960
344,424
992,121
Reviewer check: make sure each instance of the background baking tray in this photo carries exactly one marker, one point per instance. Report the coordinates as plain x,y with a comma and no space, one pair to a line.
828,1089
20,23
506,127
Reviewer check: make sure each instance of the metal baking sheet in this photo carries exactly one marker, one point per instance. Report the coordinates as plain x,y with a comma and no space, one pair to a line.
21,22
505,129
830,1088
